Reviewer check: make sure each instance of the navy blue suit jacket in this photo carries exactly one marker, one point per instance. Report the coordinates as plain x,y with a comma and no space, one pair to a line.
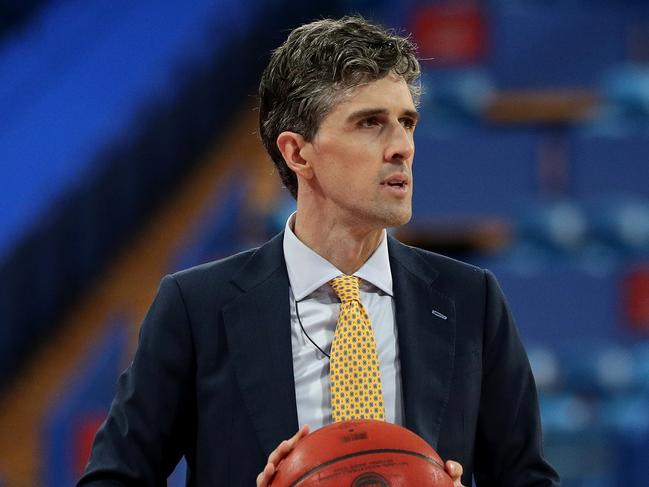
212,378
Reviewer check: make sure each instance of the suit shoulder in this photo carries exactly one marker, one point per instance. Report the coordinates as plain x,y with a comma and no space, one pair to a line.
222,269
444,263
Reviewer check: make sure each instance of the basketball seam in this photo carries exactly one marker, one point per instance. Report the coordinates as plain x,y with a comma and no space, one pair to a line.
365,452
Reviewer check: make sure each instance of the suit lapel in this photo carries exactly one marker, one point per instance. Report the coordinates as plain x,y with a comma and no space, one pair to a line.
258,330
426,332
257,325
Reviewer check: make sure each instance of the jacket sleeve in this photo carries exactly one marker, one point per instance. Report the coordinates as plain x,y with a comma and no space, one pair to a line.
509,451
147,429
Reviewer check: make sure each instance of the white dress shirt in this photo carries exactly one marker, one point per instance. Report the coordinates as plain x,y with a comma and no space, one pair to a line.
309,275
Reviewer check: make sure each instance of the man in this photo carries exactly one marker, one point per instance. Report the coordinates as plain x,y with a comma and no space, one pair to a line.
234,355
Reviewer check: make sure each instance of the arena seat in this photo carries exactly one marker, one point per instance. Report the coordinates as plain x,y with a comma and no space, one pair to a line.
602,166
533,45
460,175
560,302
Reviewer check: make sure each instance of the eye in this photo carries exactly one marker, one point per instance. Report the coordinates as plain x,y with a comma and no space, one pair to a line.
408,123
369,122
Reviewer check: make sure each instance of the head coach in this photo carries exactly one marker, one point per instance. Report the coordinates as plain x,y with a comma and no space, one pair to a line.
238,355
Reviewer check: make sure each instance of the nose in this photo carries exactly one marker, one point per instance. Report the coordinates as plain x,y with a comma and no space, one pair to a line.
400,146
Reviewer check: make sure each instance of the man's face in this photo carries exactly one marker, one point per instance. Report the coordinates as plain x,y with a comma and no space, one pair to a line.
362,156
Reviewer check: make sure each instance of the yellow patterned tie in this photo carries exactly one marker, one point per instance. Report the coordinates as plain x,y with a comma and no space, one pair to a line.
354,365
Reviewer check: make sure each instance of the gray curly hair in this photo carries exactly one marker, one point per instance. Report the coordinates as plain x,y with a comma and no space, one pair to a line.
317,64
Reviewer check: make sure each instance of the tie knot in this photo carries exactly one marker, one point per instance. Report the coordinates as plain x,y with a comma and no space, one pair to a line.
347,288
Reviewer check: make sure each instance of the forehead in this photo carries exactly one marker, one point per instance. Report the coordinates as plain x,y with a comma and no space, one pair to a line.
390,93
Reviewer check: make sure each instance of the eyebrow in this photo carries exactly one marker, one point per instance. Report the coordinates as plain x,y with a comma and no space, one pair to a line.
369,112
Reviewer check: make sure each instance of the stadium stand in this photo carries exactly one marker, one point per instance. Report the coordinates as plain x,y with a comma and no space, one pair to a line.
16,13
74,416
106,107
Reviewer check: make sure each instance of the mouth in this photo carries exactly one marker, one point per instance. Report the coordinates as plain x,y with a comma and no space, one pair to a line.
396,182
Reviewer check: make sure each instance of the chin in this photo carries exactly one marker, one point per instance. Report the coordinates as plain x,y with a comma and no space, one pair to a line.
400,221
396,218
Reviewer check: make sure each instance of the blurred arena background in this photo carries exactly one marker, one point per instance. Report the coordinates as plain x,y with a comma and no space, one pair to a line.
128,150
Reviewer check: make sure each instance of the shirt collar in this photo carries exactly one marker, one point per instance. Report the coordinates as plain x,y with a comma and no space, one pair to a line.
307,270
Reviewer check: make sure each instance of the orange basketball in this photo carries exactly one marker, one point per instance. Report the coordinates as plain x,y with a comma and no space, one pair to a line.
364,453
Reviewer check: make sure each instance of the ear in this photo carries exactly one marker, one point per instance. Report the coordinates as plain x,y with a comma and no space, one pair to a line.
290,144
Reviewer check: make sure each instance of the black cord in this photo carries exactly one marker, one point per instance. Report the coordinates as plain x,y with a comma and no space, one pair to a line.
299,320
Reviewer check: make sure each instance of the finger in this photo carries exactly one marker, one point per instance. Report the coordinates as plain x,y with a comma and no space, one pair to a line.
286,446
266,474
278,453
454,469
302,432
292,441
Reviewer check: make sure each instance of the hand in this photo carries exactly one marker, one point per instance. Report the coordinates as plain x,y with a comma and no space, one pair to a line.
455,470
278,454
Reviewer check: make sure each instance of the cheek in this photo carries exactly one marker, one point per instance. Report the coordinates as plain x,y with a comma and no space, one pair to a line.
347,167
337,163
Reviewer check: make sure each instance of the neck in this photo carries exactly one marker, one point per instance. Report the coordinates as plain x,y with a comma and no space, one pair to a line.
344,246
